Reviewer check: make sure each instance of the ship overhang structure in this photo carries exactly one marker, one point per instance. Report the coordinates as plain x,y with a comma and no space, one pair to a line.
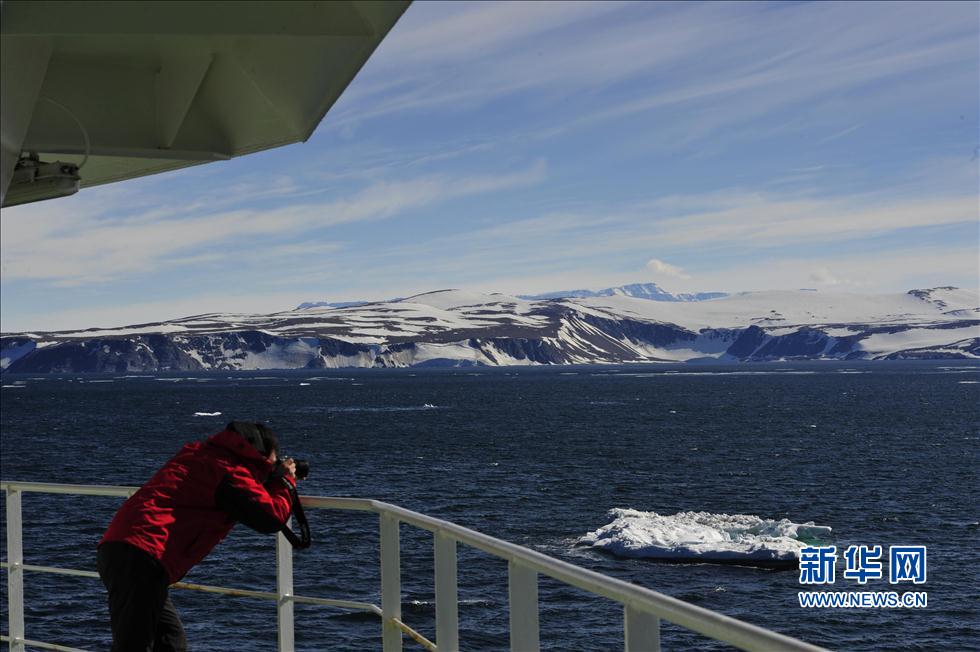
127,89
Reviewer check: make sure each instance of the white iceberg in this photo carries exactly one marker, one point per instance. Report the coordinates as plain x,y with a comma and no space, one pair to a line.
705,537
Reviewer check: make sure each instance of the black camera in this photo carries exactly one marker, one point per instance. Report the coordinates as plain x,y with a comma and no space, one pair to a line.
305,539
302,468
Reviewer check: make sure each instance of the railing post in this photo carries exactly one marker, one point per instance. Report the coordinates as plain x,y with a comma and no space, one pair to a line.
642,630
284,593
391,584
523,595
15,572
447,603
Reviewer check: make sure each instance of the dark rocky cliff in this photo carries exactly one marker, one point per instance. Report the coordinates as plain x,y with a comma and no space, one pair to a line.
573,338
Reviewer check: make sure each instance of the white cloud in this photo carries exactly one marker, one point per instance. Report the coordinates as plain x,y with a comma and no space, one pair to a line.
823,276
467,31
761,221
663,269
723,241
840,134
695,226
721,63
150,311
896,270
492,50
47,242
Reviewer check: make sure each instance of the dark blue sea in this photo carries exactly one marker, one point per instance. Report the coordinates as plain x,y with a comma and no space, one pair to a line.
884,453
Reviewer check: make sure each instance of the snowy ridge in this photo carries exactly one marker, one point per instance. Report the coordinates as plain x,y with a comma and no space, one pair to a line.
459,328
649,291
705,537
796,308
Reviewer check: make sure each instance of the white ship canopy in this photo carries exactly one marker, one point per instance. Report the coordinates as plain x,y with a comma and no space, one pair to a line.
144,87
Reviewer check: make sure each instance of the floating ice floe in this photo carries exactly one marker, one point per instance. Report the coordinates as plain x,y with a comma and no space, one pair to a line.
705,537
207,414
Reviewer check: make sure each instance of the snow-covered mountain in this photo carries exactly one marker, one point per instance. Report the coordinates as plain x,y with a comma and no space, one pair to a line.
327,304
650,291
453,327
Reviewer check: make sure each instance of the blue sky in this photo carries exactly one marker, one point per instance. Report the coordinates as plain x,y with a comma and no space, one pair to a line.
523,148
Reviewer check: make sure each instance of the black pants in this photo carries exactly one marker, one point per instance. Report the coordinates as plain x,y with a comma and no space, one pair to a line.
143,617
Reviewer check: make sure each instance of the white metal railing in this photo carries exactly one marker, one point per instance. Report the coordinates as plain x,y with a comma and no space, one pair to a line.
643,609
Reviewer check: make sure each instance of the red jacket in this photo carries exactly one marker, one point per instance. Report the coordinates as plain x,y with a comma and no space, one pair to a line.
192,503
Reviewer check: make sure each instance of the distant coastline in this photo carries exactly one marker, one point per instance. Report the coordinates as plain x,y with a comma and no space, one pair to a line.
453,328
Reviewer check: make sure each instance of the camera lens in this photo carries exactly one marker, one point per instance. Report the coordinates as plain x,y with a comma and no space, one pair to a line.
302,469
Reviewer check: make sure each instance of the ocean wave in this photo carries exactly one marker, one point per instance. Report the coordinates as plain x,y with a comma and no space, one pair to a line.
207,414
423,606
705,374
370,408
704,537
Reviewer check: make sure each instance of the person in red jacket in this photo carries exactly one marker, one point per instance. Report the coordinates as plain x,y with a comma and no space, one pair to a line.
174,520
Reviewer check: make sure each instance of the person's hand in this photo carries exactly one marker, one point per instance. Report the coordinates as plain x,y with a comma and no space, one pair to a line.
290,465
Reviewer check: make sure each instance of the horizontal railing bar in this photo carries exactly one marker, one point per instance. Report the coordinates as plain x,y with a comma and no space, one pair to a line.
268,595
331,502
52,569
341,604
241,593
246,593
697,619
79,489
416,636
43,645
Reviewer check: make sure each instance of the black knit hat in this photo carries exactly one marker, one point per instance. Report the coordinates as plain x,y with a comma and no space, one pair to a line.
258,435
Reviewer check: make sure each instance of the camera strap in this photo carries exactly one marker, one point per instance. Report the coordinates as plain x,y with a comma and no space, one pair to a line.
304,540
